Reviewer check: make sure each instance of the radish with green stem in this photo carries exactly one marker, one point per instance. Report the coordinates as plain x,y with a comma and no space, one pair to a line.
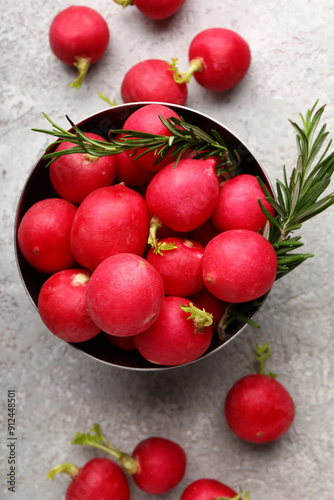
181,333
211,489
62,305
258,408
219,59
153,80
153,9
165,194
179,263
125,295
44,235
156,464
98,479
79,36
76,175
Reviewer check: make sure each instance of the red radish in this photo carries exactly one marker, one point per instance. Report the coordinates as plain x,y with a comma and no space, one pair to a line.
110,220
238,206
239,265
146,119
179,263
208,489
153,9
98,479
184,197
129,172
125,294
152,80
258,408
205,300
176,337
76,175
157,464
161,465
219,59
62,305
124,343
79,36
44,235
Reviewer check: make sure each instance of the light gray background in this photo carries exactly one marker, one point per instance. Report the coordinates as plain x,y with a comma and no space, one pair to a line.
60,390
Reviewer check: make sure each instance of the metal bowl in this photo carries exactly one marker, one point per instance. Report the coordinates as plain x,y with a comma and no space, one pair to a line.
38,187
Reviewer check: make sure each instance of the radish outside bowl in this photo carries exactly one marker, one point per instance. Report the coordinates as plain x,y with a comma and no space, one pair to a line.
39,187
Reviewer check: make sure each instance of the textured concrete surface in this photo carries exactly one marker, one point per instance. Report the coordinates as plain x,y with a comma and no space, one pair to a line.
59,390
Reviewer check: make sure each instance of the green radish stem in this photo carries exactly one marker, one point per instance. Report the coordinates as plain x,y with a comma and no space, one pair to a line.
163,247
66,467
201,318
124,3
238,497
155,225
263,353
195,65
97,440
82,64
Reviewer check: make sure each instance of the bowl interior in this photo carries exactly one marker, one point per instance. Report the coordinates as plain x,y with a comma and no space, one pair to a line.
38,187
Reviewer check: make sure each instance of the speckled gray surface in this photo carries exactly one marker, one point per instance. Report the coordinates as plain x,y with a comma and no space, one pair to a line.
60,390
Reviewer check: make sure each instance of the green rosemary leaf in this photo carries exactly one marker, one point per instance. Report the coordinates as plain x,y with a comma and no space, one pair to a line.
269,216
316,208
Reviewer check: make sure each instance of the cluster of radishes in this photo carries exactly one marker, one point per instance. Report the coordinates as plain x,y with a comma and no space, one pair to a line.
257,409
219,58
151,258
157,465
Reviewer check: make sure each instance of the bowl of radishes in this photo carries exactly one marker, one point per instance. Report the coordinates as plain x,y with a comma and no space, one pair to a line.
140,236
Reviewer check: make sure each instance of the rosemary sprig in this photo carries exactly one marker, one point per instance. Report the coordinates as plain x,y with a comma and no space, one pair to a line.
185,140
298,198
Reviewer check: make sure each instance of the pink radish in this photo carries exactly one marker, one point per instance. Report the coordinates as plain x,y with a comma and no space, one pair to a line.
62,305
258,408
179,263
110,220
125,295
180,334
79,36
161,465
157,464
239,265
209,489
185,196
238,206
146,119
152,80
219,59
129,172
75,175
98,479
153,9
44,235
